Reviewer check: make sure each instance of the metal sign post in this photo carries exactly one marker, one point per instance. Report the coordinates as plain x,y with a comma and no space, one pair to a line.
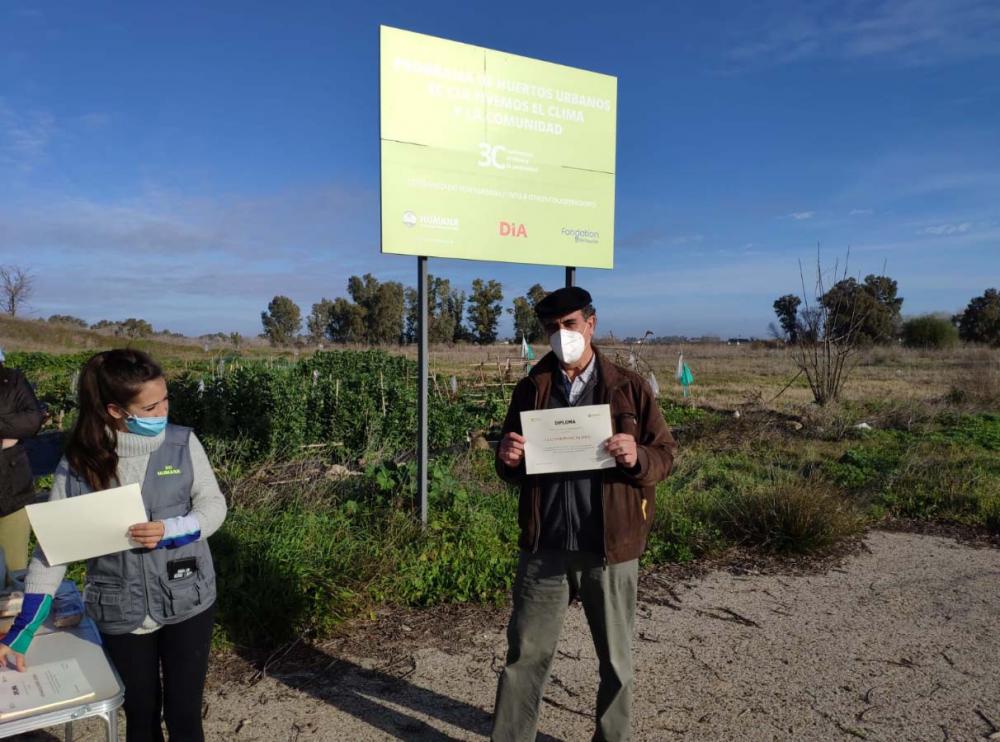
422,386
570,276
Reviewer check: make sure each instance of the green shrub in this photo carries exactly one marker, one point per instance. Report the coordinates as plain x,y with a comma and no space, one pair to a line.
299,563
298,569
682,530
942,482
795,515
360,403
930,331
467,554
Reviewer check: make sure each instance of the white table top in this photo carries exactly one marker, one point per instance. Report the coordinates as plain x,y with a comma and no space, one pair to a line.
83,644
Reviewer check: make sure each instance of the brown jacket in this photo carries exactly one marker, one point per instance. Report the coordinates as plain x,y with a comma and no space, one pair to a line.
628,496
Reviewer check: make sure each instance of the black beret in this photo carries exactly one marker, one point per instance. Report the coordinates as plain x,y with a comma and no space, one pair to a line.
562,302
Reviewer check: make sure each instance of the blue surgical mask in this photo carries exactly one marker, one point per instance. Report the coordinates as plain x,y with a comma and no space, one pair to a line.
146,425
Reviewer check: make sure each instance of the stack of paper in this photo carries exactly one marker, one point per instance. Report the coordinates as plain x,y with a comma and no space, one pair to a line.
41,688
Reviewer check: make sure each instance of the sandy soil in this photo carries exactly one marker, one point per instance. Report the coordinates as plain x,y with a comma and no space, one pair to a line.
898,641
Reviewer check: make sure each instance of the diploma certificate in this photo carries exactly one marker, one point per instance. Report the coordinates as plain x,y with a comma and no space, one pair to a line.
567,439
86,526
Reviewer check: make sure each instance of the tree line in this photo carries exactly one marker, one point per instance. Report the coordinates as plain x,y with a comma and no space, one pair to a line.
387,313
869,312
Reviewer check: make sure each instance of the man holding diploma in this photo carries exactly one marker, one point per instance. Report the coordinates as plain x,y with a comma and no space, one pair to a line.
582,532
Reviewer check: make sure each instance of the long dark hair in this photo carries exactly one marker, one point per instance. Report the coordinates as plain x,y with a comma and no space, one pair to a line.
111,377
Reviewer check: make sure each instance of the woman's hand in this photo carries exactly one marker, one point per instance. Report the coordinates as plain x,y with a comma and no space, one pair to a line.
147,535
6,654
9,443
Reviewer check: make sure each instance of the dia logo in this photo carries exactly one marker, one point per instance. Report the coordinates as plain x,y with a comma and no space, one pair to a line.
512,229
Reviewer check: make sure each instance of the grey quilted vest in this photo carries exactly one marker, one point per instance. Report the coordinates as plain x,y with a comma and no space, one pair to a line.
121,589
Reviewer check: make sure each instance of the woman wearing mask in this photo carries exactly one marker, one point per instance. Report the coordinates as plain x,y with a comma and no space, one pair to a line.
154,604
20,418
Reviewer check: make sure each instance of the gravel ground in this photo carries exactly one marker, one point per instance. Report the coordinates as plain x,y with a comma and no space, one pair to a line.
897,641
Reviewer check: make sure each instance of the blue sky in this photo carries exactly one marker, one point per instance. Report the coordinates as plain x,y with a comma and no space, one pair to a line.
184,162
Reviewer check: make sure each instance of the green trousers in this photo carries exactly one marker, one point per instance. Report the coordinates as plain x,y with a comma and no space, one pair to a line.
545,583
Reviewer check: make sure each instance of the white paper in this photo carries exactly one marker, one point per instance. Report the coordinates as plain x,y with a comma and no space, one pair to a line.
87,526
41,687
567,439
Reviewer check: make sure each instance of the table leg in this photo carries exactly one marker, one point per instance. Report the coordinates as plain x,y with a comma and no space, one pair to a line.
68,731
111,719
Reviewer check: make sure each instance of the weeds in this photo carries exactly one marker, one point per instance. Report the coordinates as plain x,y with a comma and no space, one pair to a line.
790,515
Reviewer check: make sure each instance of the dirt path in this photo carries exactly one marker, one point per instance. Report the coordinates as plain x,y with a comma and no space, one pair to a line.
898,642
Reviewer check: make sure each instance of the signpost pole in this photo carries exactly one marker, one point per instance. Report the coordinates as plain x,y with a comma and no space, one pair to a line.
570,276
422,387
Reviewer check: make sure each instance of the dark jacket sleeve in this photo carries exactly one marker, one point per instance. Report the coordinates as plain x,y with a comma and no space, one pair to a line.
656,447
520,400
20,416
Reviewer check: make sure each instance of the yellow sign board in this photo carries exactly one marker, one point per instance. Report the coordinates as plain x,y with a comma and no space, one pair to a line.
493,156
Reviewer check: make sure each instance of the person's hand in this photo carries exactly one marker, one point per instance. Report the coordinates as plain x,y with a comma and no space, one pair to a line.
512,449
147,535
7,655
623,448
9,443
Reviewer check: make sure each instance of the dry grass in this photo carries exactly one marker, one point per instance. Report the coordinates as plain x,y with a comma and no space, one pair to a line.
797,515
978,382
730,376
40,336
725,376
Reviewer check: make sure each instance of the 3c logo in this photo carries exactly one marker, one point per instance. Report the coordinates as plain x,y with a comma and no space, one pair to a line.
489,155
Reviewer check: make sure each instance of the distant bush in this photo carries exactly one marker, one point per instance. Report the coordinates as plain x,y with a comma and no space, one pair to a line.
67,319
980,322
930,331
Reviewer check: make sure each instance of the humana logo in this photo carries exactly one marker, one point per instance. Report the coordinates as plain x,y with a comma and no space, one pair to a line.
168,471
441,222
512,229
432,221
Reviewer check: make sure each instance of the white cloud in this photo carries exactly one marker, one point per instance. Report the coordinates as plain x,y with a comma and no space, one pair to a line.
203,263
657,238
947,229
687,239
801,215
24,137
909,32
861,212
158,222
95,120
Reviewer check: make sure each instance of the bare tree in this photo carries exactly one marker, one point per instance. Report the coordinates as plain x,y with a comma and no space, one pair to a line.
16,287
829,335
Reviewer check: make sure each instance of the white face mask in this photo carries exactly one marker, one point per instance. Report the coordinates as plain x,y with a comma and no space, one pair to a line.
568,345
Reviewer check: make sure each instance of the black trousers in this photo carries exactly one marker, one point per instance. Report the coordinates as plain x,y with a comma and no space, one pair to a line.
181,650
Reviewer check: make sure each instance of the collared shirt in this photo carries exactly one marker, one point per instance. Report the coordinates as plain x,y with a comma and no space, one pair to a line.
575,387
